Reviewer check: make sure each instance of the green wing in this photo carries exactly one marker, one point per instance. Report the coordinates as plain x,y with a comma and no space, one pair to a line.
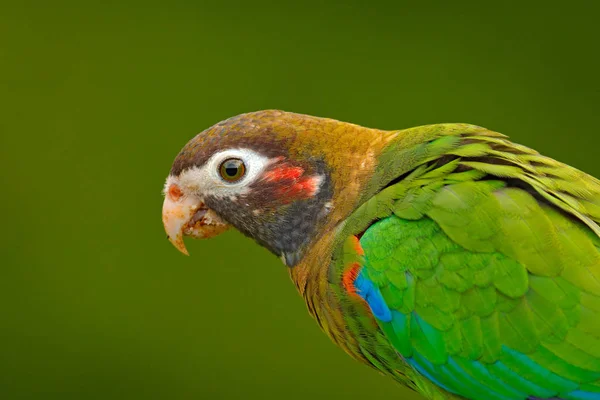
483,270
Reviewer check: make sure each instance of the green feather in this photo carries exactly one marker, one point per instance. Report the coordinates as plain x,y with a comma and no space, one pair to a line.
487,254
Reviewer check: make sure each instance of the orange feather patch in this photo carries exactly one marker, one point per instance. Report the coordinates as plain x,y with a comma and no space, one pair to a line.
349,276
351,271
357,246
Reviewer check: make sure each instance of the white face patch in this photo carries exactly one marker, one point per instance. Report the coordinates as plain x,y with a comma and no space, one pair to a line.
208,181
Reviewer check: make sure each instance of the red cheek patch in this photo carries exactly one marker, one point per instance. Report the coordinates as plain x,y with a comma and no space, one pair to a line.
305,188
290,184
284,173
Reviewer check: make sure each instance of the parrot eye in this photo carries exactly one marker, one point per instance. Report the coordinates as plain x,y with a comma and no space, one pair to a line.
232,170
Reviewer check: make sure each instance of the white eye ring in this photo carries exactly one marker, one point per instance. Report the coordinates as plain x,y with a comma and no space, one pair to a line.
207,180
254,164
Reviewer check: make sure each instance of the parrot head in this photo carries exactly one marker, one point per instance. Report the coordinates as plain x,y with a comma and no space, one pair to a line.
252,172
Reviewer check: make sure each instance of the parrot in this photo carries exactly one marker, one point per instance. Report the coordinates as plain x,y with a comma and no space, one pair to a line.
457,262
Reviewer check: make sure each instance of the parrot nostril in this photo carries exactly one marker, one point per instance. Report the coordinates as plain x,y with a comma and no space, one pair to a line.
174,192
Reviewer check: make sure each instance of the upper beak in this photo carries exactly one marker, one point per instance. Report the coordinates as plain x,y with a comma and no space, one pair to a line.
175,215
187,215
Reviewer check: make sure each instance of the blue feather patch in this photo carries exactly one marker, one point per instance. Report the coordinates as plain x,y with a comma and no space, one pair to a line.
513,375
456,379
371,294
582,395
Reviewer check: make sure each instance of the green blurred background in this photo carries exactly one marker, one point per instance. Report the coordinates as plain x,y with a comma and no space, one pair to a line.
96,100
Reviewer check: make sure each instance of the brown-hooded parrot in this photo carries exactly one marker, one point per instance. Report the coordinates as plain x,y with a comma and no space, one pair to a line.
461,264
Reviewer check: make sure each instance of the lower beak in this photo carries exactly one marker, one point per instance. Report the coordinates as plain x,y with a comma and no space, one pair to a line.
188,216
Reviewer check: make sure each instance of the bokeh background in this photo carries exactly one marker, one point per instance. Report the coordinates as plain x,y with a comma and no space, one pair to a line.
97,98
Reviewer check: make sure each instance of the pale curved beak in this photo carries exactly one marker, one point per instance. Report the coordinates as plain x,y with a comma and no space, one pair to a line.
175,216
188,216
